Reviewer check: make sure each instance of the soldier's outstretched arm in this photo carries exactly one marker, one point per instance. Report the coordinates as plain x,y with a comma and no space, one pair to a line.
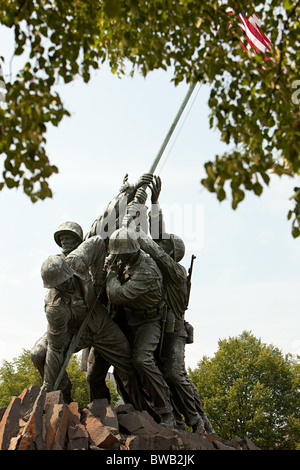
90,252
155,187
156,220
168,266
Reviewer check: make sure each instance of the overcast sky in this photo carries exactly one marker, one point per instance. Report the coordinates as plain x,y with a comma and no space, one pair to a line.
246,274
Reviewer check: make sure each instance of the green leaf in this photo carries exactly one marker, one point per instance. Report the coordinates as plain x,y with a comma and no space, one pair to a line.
221,194
288,4
258,189
10,183
295,232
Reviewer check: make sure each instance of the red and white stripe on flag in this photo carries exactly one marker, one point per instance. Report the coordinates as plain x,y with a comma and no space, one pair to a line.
253,34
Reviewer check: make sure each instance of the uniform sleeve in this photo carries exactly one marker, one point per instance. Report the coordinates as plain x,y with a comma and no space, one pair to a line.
156,222
89,255
168,266
119,293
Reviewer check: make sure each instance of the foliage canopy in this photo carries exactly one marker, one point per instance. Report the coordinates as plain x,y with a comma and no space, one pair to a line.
19,374
253,103
249,389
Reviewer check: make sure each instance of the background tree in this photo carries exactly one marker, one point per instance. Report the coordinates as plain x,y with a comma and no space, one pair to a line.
249,389
19,374
254,103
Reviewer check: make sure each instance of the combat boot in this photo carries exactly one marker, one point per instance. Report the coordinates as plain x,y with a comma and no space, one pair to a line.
198,427
167,420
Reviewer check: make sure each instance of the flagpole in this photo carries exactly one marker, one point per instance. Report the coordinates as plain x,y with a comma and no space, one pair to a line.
171,130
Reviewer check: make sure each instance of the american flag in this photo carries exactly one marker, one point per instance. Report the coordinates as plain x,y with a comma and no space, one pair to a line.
253,34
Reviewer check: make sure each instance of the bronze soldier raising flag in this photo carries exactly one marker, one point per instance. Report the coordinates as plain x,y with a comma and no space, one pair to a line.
143,280
167,250
69,298
136,283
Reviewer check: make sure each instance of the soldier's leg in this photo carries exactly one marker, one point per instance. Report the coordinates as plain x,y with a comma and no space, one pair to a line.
112,345
207,424
97,368
38,354
38,357
145,342
173,360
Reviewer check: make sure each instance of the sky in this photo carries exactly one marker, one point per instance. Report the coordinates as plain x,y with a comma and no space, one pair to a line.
246,273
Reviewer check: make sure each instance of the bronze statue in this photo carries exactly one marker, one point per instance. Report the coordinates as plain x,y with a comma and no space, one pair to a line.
126,294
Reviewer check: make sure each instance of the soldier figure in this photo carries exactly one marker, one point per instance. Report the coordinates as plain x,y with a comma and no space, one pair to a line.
167,250
136,284
70,297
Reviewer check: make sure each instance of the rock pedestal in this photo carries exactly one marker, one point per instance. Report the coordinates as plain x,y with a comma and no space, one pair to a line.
37,420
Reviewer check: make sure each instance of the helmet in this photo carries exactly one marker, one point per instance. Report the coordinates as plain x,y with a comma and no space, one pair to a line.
123,241
178,247
54,271
177,244
69,227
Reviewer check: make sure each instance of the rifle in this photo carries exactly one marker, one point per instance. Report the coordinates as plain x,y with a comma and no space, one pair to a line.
189,281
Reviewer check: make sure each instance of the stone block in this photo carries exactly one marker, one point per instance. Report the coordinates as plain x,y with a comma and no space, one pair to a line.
250,445
96,406
28,398
100,435
168,432
9,426
54,398
77,435
153,442
135,423
32,433
56,419
2,411
124,409
143,442
14,443
211,437
193,441
242,444
236,442
222,445
74,411
103,410
152,421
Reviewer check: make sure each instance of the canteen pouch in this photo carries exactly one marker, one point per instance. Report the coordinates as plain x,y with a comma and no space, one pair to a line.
190,332
170,322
